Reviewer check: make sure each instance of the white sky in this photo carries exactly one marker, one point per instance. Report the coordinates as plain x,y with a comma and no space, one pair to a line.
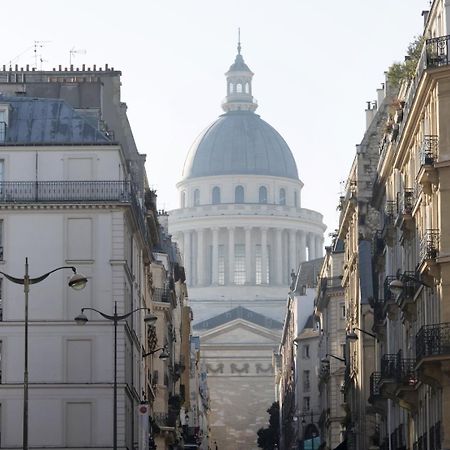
316,64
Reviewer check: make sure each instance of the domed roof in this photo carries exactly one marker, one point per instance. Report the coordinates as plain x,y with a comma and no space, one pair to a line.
240,143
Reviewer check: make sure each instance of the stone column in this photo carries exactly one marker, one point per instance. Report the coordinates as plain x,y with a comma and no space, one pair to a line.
200,257
279,256
319,251
248,255
230,255
187,257
215,256
302,247
311,247
292,251
264,255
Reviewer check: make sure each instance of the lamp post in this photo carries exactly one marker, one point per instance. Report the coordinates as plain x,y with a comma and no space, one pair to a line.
352,336
81,319
163,356
332,356
77,282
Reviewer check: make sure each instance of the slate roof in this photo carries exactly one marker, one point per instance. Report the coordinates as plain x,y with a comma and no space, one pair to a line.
307,274
39,121
240,143
239,313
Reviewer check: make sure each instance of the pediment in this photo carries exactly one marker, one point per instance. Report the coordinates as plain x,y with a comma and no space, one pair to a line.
240,332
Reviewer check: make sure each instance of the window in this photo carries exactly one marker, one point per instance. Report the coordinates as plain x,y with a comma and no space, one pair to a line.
196,197
3,123
305,352
282,196
239,88
306,381
183,199
221,264
306,403
215,195
262,194
230,87
239,264
239,194
247,88
342,310
260,276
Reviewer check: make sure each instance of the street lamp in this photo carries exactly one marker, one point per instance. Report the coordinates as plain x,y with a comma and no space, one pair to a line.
81,319
396,286
352,336
324,360
76,282
163,356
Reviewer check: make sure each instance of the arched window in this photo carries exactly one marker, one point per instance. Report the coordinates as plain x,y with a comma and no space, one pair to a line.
262,194
247,88
295,199
196,197
239,194
230,87
183,199
239,87
282,196
216,195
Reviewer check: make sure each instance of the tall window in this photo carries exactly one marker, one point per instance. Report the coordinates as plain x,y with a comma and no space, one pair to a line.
260,276
305,351
262,194
183,199
3,124
196,197
306,403
239,194
239,264
239,88
216,195
221,264
306,381
282,196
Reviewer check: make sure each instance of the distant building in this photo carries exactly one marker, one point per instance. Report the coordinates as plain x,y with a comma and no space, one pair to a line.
242,230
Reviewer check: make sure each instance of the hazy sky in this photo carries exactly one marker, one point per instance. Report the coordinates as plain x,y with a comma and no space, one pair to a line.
316,64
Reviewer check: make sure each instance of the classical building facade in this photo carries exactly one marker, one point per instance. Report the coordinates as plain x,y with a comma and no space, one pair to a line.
74,193
242,230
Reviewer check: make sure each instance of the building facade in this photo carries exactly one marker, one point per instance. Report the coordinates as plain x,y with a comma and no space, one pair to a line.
242,230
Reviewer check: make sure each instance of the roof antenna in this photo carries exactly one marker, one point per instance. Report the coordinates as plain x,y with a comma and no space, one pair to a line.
239,41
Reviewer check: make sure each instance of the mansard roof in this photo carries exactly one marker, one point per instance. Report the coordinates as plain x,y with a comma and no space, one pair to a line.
39,121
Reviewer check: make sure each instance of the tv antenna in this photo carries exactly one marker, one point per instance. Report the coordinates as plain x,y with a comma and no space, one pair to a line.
73,51
40,45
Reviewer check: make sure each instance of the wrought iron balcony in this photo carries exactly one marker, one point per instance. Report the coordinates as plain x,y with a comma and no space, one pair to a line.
405,207
429,244
161,295
379,317
433,341
429,150
375,392
65,191
437,51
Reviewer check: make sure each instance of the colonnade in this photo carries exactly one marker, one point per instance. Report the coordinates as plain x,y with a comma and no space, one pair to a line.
271,254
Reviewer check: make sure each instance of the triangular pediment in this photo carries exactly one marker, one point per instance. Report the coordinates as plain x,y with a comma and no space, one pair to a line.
237,313
240,332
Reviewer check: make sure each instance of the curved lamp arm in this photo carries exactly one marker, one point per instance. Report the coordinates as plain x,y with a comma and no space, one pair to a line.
37,279
115,316
153,351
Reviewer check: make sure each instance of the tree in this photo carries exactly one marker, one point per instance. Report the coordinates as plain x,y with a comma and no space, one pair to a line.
268,437
405,71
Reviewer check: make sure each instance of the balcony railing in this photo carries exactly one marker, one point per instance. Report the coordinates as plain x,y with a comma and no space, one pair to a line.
388,367
405,202
429,245
375,392
429,150
433,340
437,51
161,295
65,191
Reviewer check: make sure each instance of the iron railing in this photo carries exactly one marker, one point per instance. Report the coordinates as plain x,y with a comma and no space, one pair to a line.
429,244
65,191
375,392
437,51
161,295
405,202
433,340
429,150
388,367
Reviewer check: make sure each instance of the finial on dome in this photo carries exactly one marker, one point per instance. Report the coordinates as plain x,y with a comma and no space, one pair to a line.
239,41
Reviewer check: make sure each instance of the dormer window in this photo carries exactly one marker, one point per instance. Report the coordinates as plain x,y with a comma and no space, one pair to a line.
4,109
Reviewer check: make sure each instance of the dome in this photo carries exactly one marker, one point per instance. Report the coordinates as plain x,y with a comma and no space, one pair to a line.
240,143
